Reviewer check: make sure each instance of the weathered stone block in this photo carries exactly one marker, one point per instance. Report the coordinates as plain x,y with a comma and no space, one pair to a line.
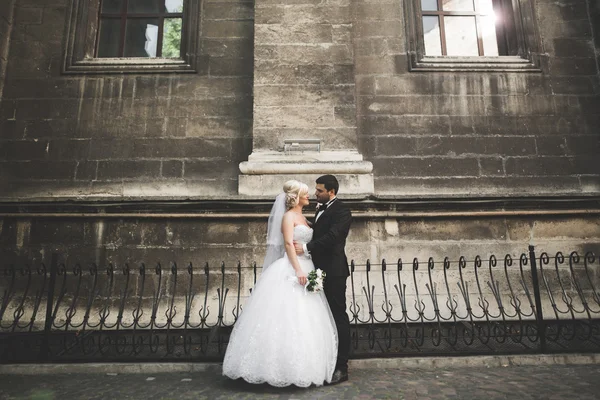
294,117
273,72
425,167
209,169
215,127
379,12
331,138
405,124
86,170
12,129
322,13
76,149
482,229
122,233
565,47
471,186
70,233
562,228
430,105
24,150
172,169
575,85
586,165
219,66
491,166
369,46
551,146
453,146
227,48
343,74
28,15
573,66
303,95
128,169
584,145
269,14
297,33
305,54
379,29
376,65
181,147
238,107
227,29
342,33
562,11
228,11
41,88
538,166
27,170
105,149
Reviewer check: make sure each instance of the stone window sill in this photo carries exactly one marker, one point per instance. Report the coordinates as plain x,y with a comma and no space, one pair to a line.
129,65
474,64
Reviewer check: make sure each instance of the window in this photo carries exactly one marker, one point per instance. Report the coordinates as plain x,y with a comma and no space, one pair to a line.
472,34
135,36
140,28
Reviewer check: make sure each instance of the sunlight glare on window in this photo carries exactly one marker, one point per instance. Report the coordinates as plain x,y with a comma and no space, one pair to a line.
174,6
431,31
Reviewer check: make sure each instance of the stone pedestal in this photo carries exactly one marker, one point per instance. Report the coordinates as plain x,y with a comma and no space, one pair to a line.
304,88
265,172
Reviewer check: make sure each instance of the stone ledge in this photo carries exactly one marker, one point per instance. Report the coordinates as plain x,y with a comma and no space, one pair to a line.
353,185
374,364
265,172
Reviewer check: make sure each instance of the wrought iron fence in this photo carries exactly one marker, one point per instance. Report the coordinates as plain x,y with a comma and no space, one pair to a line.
528,304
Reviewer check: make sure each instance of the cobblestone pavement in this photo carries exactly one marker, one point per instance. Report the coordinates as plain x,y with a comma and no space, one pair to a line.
512,382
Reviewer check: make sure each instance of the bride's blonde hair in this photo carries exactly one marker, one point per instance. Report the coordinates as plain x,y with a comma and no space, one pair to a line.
293,191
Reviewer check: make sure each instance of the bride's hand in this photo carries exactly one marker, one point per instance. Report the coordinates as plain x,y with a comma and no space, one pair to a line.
302,279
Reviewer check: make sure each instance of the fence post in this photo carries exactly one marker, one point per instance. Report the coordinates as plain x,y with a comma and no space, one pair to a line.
538,300
45,348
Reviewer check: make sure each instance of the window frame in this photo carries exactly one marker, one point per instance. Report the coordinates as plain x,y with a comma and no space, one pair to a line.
528,58
81,42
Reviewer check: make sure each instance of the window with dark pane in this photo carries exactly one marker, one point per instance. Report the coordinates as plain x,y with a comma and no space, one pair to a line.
468,28
140,28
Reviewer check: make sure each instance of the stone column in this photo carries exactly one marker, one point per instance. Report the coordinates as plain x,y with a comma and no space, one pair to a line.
304,89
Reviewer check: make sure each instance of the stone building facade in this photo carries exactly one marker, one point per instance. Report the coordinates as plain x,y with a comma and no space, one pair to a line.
129,160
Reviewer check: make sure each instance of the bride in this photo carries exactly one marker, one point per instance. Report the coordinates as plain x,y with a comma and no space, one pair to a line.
284,335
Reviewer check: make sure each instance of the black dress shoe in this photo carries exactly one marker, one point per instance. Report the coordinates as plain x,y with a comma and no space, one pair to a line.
339,376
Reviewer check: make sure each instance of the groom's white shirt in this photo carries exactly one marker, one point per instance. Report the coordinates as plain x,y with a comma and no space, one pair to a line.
316,219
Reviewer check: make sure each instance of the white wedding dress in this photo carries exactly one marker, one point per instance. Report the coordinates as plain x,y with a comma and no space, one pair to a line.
284,335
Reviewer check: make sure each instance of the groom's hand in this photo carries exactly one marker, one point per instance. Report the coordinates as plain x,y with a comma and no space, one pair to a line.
298,247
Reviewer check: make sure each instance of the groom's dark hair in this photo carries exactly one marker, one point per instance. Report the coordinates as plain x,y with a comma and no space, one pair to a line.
330,182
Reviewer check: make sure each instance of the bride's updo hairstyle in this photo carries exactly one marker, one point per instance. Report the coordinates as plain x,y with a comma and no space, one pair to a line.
293,191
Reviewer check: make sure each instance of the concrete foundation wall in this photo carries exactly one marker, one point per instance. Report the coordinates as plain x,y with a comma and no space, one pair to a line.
133,242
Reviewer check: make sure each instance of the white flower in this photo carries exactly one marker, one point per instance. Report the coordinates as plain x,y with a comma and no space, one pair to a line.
319,273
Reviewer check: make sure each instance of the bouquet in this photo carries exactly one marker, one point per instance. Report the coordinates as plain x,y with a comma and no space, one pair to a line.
315,278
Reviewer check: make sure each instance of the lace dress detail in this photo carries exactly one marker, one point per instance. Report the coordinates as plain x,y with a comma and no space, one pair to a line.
283,336
303,234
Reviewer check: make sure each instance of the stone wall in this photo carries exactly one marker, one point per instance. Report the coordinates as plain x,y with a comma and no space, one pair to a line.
427,134
304,74
473,133
133,241
6,23
125,135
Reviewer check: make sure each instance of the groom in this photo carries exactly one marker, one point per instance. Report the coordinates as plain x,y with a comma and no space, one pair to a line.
330,229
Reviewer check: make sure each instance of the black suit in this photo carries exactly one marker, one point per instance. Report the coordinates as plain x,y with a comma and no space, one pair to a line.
327,251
